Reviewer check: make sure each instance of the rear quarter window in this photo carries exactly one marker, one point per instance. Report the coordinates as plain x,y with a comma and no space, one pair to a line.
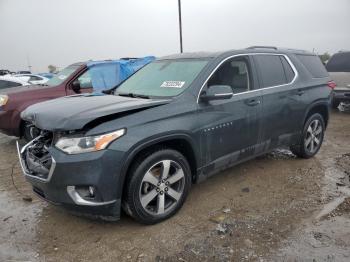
287,70
314,65
339,62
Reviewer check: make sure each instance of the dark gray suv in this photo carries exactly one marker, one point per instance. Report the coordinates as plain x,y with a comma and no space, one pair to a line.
339,69
175,122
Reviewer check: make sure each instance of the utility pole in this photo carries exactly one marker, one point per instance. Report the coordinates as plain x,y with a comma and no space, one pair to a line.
180,26
29,65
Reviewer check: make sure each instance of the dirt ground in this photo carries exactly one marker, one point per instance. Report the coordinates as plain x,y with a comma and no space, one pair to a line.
274,208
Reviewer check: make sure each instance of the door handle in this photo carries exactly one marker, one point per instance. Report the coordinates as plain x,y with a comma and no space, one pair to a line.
300,92
252,102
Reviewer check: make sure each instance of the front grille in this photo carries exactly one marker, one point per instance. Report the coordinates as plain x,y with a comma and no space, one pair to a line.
36,156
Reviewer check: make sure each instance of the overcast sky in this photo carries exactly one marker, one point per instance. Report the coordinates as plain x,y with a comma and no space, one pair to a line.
61,32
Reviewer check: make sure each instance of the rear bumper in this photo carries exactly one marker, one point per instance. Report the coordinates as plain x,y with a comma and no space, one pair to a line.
70,172
341,95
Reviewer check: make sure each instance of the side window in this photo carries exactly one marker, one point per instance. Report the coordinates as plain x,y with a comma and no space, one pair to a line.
287,70
85,80
7,84
272,72
314,65
234,73
34,78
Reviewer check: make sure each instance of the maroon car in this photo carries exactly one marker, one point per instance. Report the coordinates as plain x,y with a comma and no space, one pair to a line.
77,78
14,100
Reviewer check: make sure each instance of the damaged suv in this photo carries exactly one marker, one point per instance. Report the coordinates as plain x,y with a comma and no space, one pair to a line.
175,122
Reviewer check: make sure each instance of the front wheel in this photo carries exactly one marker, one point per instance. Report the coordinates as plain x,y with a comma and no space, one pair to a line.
157,187
312,137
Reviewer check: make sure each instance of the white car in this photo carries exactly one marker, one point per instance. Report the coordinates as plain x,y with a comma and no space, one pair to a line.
9,81
32,78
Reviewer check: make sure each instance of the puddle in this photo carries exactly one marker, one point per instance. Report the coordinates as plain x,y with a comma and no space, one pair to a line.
328,208
18,222
18,219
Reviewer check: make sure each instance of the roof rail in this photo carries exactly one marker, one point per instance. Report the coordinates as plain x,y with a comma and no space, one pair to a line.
262,46
297,50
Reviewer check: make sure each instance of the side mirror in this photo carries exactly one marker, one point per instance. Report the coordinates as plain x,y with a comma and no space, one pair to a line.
76,86
217,92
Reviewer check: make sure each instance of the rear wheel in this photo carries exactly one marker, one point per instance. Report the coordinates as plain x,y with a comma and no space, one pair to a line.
312,137
158,186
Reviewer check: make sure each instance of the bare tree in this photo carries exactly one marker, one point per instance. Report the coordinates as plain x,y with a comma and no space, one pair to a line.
52,69
325,57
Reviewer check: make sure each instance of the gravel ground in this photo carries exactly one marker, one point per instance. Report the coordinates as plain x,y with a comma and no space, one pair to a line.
273,208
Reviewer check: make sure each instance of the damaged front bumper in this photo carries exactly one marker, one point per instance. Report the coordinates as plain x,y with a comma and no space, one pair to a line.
84,183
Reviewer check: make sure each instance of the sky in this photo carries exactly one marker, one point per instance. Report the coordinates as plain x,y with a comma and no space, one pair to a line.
61,32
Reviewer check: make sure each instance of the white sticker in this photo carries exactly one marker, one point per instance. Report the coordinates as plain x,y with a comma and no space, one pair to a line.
173,84
62,77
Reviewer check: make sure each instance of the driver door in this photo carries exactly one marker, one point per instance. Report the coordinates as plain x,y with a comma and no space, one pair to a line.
230,127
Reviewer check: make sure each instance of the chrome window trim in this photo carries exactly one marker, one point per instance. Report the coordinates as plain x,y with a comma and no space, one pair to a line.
252,54
224,94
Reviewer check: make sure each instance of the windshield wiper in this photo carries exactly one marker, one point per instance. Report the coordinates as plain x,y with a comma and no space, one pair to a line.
133,95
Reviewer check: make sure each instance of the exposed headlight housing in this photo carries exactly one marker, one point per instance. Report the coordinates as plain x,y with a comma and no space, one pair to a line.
3,100
77,145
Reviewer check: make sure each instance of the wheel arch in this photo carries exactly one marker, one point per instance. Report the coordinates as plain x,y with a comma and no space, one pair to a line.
180,142
321,108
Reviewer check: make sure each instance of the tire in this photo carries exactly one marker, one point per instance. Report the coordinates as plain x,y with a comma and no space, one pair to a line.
157,186
312,137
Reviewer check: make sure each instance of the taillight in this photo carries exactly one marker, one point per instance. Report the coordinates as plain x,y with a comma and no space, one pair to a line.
331,84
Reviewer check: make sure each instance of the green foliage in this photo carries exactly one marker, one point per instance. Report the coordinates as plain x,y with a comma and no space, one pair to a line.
52,69
325,57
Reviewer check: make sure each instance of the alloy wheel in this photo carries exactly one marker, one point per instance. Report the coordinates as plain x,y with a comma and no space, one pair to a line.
313,136
162,187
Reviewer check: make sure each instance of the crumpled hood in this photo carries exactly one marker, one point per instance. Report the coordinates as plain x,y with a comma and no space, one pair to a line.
74,112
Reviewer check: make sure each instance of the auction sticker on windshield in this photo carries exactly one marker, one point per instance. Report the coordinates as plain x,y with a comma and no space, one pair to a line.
173,84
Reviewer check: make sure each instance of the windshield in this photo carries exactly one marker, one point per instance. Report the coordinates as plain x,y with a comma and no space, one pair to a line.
61,76
163,78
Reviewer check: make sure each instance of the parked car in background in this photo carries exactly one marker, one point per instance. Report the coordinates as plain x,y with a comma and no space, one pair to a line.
338,67
8,81
4,72
23,72
75,79
175,122
47,75
33,79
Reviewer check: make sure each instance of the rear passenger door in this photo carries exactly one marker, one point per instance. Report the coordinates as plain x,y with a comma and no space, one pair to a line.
283,105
